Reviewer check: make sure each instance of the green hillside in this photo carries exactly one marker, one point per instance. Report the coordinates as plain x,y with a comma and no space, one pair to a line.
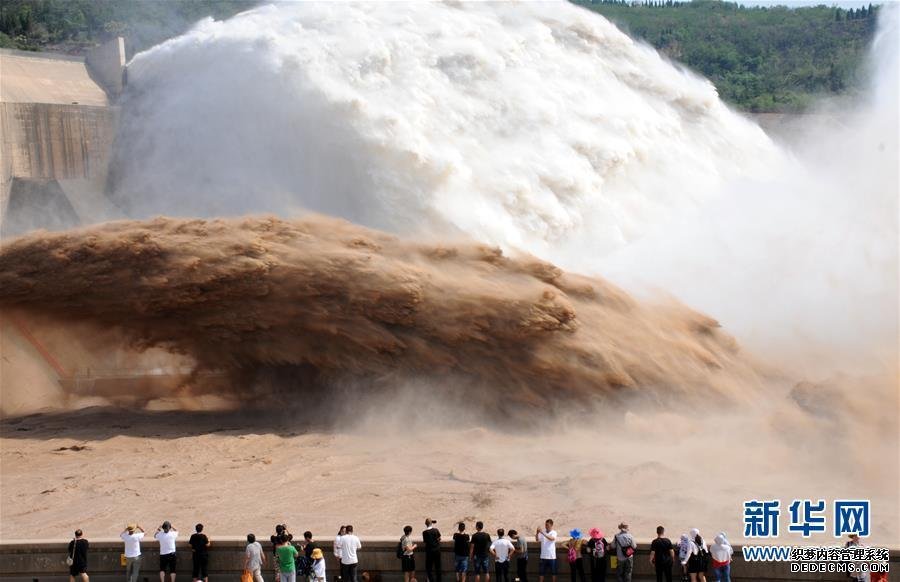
760,59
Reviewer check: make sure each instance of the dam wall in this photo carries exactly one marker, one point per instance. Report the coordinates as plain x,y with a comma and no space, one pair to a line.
55,141
42,561
57,126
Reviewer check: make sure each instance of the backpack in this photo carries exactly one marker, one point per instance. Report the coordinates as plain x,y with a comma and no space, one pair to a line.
628,550
303,565
573,555
599,548
702,555
400,550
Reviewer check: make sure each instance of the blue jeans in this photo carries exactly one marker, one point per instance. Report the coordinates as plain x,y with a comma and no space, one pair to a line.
462,564
723,573
481,564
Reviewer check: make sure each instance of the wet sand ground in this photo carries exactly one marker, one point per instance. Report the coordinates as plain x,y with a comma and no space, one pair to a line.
100,468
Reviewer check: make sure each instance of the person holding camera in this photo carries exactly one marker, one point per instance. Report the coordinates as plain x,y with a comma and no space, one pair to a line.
280,530
132,537
168,559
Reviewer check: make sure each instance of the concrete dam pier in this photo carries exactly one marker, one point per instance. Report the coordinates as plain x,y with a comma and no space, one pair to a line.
40,561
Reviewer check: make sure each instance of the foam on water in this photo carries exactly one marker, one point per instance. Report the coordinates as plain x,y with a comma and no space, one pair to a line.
537,125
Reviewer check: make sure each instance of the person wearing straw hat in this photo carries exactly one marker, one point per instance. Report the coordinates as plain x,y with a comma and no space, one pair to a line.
132,537
575,546
597,548
853,541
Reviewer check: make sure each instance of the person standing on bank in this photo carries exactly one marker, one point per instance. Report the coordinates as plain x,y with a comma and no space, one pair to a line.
662,556
309,545
349,562
597,547
254,558
78,550
432,538
200,554
461,552
286,554
575,546
336,548
700,561
480,546
168,559
721,552
318,565
521,545
408,560
502,550
625,547
687,550
132,537
547,538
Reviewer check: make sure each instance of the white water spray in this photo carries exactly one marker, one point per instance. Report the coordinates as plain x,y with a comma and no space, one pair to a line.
537,125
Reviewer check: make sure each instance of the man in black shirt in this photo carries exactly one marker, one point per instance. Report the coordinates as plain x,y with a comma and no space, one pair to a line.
461,552
432,538
78,549
199,550
662,555
308,544
481,543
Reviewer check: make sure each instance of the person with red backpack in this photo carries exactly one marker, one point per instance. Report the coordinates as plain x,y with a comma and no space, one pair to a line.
625,547
597,548
576,563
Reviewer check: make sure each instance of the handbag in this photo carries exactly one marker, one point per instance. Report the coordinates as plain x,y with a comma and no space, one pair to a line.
247,576
70,559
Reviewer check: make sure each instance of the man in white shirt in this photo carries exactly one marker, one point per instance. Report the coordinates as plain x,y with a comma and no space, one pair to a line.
547,538
502,549
132,537
254,558
349,562
168,559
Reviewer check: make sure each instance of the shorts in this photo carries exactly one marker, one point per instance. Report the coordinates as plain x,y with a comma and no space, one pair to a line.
481,564
695,564
547,567
408,563
462,564
200,566
168,561
77,570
